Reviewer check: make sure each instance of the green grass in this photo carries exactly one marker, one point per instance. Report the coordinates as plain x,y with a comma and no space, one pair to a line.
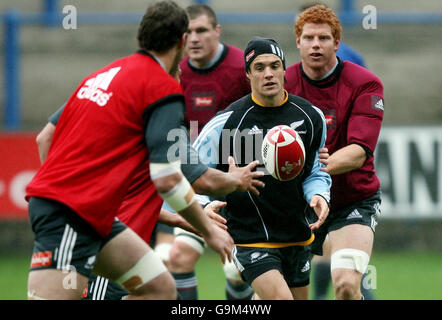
399,275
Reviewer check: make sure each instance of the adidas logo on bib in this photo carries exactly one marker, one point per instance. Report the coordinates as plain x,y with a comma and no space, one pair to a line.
94,89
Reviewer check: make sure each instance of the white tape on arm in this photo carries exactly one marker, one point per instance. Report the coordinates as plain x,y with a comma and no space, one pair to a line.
160,170
181,196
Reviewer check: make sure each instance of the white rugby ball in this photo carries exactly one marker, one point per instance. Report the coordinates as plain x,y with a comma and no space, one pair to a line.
283,153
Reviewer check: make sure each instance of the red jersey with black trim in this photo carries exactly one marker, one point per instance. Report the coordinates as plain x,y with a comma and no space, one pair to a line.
99,148
208,91
352,101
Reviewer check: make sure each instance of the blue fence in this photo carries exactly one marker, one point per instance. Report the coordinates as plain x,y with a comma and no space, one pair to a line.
51,16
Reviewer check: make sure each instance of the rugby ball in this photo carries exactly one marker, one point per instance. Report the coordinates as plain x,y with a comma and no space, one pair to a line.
283,153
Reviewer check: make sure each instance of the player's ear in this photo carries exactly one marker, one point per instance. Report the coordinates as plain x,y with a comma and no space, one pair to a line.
218,30
337,43
183,40
298,42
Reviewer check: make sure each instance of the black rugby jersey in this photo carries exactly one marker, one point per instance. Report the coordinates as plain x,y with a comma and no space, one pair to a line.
277,216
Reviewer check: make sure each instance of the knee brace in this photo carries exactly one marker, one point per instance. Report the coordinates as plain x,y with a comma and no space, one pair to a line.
191,239
163,251
350,259
148,267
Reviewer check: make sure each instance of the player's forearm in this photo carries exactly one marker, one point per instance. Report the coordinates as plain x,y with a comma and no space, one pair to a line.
346,159
215,183
177,192
44,140
195,215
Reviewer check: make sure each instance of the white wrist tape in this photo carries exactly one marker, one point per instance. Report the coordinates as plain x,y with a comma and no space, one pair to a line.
350,259
180,197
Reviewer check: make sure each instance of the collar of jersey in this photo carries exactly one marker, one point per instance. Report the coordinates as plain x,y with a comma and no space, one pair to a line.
262,105
327,81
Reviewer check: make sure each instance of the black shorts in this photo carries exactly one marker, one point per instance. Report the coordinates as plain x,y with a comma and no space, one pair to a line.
292,262
63,240
365,212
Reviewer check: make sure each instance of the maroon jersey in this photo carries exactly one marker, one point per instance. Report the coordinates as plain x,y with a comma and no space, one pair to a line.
208,91
351,99
99,147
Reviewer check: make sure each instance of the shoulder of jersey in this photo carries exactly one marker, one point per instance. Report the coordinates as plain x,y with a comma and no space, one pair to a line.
235,56
184,63
358,75
292,72
306,105
299,100
239,104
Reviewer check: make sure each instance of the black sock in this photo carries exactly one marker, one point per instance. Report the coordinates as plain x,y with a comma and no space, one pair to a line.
321,280
187,285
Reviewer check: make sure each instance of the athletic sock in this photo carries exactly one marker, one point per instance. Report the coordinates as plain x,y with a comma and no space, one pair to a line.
187,285
238,292
321,280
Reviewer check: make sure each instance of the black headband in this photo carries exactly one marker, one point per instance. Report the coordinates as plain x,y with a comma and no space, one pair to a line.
258,46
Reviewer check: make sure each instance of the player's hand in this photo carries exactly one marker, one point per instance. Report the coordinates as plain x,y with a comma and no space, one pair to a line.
247,177
321,208
220,241
323,156
212,211
176,220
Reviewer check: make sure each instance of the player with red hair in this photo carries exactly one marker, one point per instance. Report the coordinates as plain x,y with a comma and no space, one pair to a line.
351,98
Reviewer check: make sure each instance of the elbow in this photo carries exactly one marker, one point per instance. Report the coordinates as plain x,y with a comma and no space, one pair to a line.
40,140
360,161
166,184
204,186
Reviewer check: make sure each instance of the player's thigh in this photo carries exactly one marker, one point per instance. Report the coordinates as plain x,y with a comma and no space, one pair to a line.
355,236
271,285
300,293
354,226
262,269
120,254
53,284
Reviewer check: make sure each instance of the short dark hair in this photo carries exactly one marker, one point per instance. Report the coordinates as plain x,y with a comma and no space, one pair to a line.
196,10
162,26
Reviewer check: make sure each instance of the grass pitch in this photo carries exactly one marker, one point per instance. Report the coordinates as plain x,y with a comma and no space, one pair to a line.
399,276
